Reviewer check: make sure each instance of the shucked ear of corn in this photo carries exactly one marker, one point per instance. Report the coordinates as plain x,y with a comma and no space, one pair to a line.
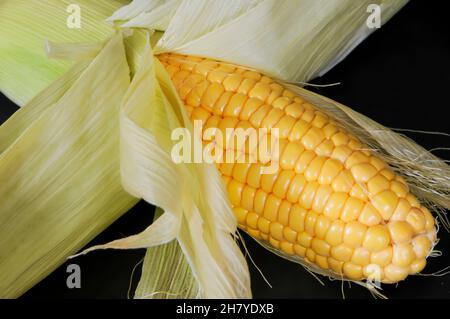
286,41
333,202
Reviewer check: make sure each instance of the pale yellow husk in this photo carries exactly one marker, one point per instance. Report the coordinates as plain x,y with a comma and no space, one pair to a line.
60,177
196,209
290,40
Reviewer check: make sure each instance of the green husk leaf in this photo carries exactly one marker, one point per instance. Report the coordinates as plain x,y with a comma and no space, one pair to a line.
25,69
166,274
60,181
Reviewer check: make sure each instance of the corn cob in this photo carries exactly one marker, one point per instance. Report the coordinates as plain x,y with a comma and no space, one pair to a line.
332,202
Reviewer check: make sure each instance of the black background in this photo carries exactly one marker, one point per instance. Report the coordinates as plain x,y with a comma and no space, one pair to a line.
399,76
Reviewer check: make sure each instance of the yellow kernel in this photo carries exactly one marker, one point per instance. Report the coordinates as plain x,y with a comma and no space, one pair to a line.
232,82
369,216
340,139
260,91
282,183
402,210
354,234
260,201
342,252
300,250
354,144
320,247
286,247
211,95
322,226
310,222
276,231
235,191
272,118
356,158
310,255
352,271
399,188
334,205
254,233
275,243
321,197
383,257
417,266
281,102
400,231
359,192
271,208
290,155
246,86
299,130
251,75
268,181
295,110
231,105
429,219
395,273
284,126
421,246
283,213
330,129
341,153
335,233
307,196
296,187
312,138
330,169
361,256
304,239
249,108
303,161
343,182
264,225
290,234
259,115
363,172
325,148
385,202
297,217
378,163
335,265
352,209
416,219
321,262
252,220
403,255
240,214
388,174
254,176
320,120
376,238
200,114
313,170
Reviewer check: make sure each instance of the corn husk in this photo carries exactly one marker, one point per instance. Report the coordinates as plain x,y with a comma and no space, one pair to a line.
60,182
25,25
197,212
290,40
